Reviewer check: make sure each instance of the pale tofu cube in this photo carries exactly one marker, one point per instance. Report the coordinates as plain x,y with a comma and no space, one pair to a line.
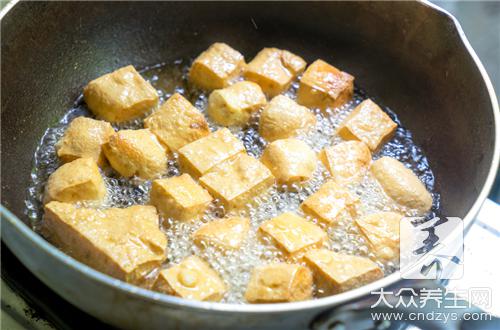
120,96
226,234
290,160
274,70
177,122
84,138
382,233
237,181
234,105
335,272
200,156
125,243
323,86
216,67
346,161
79,180
328,202
283,118
369,124
136,152
293,234
192,279
179,198
401,184
279,282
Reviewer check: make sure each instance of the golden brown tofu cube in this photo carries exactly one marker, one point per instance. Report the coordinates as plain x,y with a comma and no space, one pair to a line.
79,180
177,122
226,234
124,243
274,70
216,67
236,181
336,272
346,161
283,118
401,184
192,279
369,124
290,160
328,202
84,138
120,96
234,105
200,156
293,234
382,233
136,152
279,282
323,86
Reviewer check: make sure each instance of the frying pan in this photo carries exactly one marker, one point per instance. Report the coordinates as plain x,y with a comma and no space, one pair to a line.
411,55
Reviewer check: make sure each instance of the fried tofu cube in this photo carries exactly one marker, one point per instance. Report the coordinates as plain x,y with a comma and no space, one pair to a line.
79,180
293,234
328,202
279,282
336,272
274,70
346,161
401,184
192,279
290,160
177,122
125,243
84,138
234,105
283,118
323,86
200,156
236,181
226,234
136,152
369,124
216,67
120,96
382,233
179,198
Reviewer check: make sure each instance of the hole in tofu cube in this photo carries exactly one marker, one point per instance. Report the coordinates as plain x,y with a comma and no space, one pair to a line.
293,234
401,184
200,156
226,234
328,202
120,96
192,279
279,282
84,138
290,160
346,161
216,67
79,180
136,152
177,122
234,105
336,272
323,86
180,198
274,70
283,118
125,243
369,124
237,181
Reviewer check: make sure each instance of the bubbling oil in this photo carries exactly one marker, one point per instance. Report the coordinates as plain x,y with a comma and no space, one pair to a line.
235,266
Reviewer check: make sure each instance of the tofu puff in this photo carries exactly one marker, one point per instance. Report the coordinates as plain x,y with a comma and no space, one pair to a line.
346,161
226,234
